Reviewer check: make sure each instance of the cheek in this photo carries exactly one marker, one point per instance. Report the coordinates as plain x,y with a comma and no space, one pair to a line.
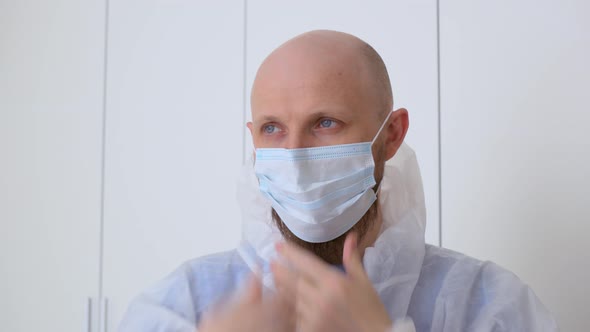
346,135
262,141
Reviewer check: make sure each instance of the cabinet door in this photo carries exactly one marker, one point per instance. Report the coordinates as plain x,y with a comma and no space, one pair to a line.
404,34
175,123
515,78
51,95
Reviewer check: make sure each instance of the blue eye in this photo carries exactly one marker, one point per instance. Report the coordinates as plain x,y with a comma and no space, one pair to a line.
327,123
269,129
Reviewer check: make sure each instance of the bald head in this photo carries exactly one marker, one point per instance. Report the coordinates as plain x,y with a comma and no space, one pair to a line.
328,59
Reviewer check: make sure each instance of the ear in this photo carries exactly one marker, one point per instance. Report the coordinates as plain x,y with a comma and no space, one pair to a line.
397,128
250,126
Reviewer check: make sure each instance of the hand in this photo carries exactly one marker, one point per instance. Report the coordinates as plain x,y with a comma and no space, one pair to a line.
250,312
325,299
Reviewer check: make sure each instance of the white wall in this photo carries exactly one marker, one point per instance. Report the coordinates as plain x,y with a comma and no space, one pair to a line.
515,81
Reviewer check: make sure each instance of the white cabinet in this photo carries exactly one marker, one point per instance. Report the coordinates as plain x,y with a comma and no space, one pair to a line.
515,78
175,126
403,32
51,70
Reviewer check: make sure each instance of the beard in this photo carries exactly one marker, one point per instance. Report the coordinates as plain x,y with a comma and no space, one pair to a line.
331,251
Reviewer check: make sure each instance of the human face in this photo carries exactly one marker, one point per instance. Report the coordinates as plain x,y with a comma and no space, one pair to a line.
316,117
302,100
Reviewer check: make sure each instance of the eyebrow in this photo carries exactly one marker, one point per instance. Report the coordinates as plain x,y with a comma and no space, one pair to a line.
268,118
312,116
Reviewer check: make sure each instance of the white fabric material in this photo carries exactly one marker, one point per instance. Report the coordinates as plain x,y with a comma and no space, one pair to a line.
437,289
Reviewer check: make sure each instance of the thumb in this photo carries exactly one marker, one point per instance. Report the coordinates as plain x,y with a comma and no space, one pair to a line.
253,290
351,257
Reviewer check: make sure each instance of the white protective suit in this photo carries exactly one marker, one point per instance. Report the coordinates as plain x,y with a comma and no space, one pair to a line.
440,290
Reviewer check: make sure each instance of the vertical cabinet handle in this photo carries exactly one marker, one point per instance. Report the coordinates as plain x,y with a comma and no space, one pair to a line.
105,311
89,314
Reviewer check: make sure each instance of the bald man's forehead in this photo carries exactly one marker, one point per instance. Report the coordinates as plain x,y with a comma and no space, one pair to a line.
322,50
295,72
320,65
316,57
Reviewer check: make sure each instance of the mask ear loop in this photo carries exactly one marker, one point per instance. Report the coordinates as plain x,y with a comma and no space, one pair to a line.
373,141
381,128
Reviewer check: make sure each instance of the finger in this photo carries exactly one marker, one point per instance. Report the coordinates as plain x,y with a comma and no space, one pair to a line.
293,286
351,257
285,280
252,291
306,264
310,307
350,244
282,313
305,306
307,294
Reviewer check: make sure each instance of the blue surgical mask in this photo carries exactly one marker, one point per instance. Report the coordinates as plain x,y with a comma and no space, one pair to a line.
321,192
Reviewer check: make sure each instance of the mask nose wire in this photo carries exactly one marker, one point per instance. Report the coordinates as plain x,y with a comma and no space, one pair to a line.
381,128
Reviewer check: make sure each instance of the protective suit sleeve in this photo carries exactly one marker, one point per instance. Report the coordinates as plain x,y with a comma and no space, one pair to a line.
526,313
512,305
167,307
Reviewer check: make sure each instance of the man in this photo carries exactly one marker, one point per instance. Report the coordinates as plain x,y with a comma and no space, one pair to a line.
334,238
